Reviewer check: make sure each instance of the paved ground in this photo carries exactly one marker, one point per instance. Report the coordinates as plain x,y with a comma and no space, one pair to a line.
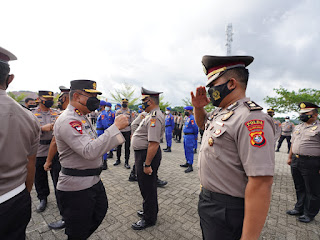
178,217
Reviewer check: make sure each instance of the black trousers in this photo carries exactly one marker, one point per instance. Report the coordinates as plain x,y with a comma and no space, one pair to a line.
281,140
306,177
148,184
15,215
127,143
221,216
41,176
83,211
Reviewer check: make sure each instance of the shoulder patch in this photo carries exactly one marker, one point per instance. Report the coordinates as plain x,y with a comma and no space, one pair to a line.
102,116
257,139
153,122
192,122
254,124
77,126
252,106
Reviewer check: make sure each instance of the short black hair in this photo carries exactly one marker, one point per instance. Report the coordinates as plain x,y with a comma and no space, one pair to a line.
241,74
28,99
315,110
4,71
155,99
71,94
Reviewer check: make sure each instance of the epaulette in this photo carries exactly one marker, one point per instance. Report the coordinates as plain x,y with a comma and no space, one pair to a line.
154,114
77,112
252,106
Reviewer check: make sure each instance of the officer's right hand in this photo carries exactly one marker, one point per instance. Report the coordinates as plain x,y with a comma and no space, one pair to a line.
47,128
121,121
200,99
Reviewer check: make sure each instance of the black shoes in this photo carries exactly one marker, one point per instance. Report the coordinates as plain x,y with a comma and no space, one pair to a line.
195,151
110,155
277,150
161,183
294,212
189,169
140,213
133,178
167,149
127,166
141,224
57,225
184,165
117,162
305,219
104,165
42,206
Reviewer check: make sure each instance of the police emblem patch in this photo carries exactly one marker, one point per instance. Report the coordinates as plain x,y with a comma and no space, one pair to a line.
77,126
257,139
153,122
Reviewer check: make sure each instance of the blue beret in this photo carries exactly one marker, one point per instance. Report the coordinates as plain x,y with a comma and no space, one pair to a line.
108,104
188,108
118,104
168,108
140,106
103,103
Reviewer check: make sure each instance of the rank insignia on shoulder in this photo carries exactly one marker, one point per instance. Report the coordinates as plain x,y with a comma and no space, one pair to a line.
77,126
227,116
153,122
314,128
254,124
154,114
257,139
78,112
252,106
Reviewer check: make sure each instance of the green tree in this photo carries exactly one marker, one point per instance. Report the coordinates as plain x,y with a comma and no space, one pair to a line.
126,91
19,98
287,101
162,104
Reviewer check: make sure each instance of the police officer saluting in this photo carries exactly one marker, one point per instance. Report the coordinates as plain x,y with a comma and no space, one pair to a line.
80,190
236,158
146,145
304,159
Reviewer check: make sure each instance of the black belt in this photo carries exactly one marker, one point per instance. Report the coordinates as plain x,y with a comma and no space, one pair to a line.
188,133
168,126
307,156
100,129
45,142
223,197
81,173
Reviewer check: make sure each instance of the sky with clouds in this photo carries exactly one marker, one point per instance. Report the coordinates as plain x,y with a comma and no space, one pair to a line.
159,44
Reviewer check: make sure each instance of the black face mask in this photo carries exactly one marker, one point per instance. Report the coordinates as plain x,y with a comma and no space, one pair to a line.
124,105
305,117
218,93
270,114
93,103
48,103
186,113
145,105
32,106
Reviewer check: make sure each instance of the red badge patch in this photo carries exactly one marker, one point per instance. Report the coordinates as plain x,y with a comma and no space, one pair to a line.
77,126
254,124
192,122
257,139
102,117
153,122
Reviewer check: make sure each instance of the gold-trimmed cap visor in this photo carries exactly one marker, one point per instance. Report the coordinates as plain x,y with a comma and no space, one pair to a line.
307,107
85,85
45,94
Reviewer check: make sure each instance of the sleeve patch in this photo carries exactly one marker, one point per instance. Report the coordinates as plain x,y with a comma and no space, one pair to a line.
153,122
102,117
192,122
254,124
257,139
77,126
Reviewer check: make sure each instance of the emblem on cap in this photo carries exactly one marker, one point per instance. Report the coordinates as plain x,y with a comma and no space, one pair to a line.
50,93
94,86
302,105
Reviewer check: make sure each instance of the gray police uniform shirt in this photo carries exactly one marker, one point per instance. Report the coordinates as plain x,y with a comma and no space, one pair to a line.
236,143
287,128
80,148
135,124
19,133
277,125
130,116
150,129
45,118
306,139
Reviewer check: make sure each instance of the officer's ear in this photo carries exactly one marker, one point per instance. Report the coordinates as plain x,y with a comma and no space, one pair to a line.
232,83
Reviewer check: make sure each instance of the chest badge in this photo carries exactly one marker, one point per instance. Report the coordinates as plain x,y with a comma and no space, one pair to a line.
227,116
314,128
218,131
210,141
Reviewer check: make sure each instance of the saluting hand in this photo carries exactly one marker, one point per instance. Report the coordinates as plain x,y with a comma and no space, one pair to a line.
121,121
200,99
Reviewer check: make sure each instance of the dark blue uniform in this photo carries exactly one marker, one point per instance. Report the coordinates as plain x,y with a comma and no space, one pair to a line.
190,131
169,128
104,121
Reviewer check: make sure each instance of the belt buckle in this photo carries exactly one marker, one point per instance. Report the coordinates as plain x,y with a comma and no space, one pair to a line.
297,155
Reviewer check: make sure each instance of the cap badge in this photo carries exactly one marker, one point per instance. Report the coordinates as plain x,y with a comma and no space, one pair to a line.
50,93
227,116
94,86
302,105
210,141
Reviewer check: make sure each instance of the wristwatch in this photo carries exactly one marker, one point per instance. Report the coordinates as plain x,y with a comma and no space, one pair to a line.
145,165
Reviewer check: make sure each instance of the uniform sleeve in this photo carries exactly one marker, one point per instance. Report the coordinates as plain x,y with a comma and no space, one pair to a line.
255,142
154,130
35,136
84,145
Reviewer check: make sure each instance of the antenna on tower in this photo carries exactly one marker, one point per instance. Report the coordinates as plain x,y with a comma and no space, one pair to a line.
229,34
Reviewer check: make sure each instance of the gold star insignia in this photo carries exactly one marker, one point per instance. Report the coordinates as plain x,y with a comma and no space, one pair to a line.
94,86
302,105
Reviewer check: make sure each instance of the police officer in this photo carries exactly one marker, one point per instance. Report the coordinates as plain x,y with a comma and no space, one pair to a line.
18,146
46,116
140,110
286,131
190,134
179,127
30,103
236,158
104,121
304,159
52,163
117,107
125,132
169,129
147,152
277,125
80,190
